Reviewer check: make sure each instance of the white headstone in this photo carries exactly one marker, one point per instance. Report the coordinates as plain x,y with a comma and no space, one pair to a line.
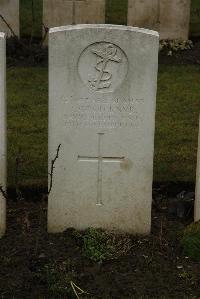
143,13
197,196
170,17
67,12
102,98
9,17
174,19
2,132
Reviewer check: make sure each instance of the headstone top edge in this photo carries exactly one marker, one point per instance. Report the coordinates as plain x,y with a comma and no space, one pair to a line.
103,26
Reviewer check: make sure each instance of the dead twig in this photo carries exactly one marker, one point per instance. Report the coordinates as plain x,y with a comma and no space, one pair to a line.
163,241
3,192
46,30
77,291
13,33
18,161
25,222
52,169
39,231
161,232
9,27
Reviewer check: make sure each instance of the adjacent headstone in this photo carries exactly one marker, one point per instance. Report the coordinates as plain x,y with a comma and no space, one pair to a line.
102,97
170,17
174,19
143,14
197,196
2,133
9,17
67,12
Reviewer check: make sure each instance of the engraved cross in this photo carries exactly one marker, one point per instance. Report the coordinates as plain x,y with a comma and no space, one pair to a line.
100,160
74,9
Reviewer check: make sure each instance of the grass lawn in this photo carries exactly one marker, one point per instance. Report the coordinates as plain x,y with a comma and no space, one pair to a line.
116,12
195,18
178,106
176,121
27,19
27,125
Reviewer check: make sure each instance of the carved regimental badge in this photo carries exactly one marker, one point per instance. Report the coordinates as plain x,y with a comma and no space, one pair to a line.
103,66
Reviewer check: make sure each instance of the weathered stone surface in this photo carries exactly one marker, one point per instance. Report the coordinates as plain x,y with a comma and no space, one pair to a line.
197,197
102,94
90,12
174,19
2,132
67,12
143,14
9,11
170,17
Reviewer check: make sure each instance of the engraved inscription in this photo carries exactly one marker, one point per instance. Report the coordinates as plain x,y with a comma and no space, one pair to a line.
91,113
100,160
103,67
104,76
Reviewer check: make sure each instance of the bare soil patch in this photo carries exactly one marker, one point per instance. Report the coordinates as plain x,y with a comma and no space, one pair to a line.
35,264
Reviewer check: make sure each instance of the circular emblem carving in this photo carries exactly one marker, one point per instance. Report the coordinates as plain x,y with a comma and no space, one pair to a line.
103,66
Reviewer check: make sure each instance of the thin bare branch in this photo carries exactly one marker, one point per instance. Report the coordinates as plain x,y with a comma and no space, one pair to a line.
18,161
9,27
52,168
46,30
77,291
3,192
